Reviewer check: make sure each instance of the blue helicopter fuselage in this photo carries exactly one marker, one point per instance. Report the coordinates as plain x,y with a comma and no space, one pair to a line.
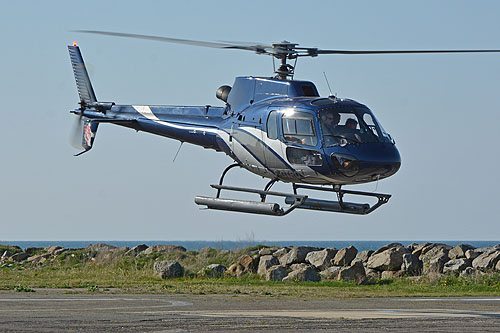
276,129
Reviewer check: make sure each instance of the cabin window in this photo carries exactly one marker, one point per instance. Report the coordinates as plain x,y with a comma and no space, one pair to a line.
309,91
298,127
272,125
304,156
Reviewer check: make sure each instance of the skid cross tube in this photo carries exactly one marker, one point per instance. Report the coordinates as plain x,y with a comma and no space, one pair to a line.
298,199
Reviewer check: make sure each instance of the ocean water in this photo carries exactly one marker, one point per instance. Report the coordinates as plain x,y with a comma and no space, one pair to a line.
234,245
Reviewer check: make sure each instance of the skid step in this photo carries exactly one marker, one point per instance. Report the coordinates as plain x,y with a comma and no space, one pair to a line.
253,207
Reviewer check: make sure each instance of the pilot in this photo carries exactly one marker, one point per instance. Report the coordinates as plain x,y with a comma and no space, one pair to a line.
351,123
330,121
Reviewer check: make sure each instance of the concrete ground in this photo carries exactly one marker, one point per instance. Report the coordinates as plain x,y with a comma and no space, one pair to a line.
59,310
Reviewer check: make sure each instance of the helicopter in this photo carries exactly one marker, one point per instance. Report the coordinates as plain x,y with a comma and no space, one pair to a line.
275,127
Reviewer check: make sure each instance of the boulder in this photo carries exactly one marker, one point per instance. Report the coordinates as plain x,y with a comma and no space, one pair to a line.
248,264
267,262
235,270
97,247
387,247
276,273
390,259
411,265
298,254
33,250
364,255
456,265
345,256
281,252
267,251
330,273
459,251
487,260
468,272
435,251
411,247
307,273
164,248
60,251
214,270
356,272
417,250
372,274
434,266
19,256
168,269
39,259
472,254
136,250
392,274
321,259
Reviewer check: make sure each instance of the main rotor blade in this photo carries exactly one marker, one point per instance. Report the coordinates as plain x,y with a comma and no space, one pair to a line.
219,45
399,51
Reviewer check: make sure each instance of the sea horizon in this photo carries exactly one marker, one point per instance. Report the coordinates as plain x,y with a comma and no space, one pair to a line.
196,245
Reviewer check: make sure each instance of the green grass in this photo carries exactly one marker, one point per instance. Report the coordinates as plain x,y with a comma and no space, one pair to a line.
93,278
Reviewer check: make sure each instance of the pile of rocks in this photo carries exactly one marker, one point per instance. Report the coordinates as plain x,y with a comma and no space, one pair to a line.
306,263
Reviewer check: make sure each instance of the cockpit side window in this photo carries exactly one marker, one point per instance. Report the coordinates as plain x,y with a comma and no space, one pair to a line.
272,125
298,127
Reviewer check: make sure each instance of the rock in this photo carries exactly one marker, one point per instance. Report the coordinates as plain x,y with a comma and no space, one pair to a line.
364,255
411,265
281,252
51,249
39,259
235,270
387,247
330,273
267,262
248,264
6,254
412,247
276,273
372,274
267,251
417,251
165,248
168,269
390,259
459,251
59,251
486,260
308,273
19,256
456,265
356,272
435,251
468,272
345,256
33,250
321,259
136,250
214,270
298,254
434,266
392,274
472,254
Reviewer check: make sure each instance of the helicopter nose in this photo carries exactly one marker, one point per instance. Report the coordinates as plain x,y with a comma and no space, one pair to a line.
367,162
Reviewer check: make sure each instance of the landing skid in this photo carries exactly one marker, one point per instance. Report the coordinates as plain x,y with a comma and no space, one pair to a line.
293,200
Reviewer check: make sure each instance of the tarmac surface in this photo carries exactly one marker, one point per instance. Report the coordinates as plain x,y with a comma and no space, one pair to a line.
59,310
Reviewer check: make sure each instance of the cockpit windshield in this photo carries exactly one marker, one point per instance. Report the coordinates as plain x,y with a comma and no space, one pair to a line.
350,124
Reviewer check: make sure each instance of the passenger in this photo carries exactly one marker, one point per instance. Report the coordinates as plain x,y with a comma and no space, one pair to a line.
330,121
351,123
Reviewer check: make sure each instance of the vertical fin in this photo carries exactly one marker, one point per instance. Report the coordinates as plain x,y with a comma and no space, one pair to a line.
83,84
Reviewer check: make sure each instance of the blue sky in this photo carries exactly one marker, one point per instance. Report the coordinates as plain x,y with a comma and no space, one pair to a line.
443,111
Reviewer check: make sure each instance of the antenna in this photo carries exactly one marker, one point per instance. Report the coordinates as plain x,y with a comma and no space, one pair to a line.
328,84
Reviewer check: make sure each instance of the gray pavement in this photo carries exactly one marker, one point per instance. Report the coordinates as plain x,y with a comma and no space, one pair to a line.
60,310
